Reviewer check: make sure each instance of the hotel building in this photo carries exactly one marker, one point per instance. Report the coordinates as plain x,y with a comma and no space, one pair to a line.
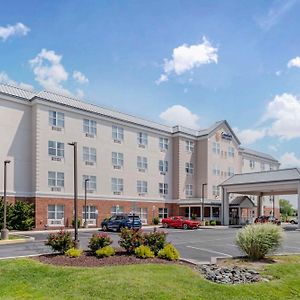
132,164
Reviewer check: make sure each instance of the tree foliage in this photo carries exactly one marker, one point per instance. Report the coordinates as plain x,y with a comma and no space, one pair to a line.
286,208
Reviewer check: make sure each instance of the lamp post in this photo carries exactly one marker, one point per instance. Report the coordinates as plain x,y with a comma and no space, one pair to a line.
85,200
202,209
76,241
4,231
273,198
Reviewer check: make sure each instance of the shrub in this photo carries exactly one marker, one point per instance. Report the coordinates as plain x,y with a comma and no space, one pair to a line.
156,240
78,223
218,222
206,223
169,252
61,241
73,252
131,239
105,252
98,241
143,252
155,221
194,217
258,240
213,223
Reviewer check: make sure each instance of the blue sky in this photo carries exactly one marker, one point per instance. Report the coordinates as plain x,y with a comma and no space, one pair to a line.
234,60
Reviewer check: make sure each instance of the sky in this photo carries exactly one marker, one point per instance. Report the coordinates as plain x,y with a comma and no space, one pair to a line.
190,63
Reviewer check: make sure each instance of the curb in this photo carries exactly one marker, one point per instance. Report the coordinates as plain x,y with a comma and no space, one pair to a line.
25,256
194,262
17,241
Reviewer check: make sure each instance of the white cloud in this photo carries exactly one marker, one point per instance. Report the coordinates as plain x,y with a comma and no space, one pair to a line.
162,78
250,136
289,159
80,77
278,73
48,70
180,115
284,113
4,78
18,29
185,58
295,62
273,148
79,93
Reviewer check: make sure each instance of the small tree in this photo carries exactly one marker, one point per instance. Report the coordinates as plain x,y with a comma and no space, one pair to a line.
21,216
286,208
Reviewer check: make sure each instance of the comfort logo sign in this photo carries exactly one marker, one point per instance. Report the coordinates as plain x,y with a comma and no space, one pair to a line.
226,136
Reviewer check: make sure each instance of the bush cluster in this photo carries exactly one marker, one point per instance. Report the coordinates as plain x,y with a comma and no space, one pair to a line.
73,252
155,221
131,239
98,241
169,252
143,252
213,223
258,240
105,252
60,241
155,240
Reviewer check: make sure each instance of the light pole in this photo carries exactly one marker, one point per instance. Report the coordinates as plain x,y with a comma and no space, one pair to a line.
76,241
4,231
202,209
85,200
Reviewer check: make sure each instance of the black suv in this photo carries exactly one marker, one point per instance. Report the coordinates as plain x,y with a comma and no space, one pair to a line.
117,222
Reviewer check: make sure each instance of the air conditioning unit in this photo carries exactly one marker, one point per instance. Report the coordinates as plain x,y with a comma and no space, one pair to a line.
55,189
142,146
117,193
89,163
89,135
56,158
142,170
56,222
117,141
142,194
117,167
56,128
162,173
90,191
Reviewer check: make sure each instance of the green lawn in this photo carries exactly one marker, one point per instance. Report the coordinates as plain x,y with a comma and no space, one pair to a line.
28,279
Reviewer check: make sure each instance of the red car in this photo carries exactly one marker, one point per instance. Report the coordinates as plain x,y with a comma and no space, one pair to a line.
267,219
180,222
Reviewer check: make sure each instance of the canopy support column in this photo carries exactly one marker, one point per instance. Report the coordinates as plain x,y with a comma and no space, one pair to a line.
298,205
225,207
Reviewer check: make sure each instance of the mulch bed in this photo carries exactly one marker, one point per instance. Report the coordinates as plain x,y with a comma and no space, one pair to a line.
88,260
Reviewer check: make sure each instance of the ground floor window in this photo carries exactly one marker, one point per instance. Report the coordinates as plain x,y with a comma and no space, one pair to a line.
56,214
142,212
162,213
216,212
116,209
91,214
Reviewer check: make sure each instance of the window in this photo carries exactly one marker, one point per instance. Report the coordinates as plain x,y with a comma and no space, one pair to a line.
252,164
163,143
142,187
163,166
91,214
215,190
89,127
230,171
262,166
142,212
117,185
91,184
55,214
117,159
142,163
162,213
56,119
189,146
116,209
230,151
272,168
189,190
189,168
117,133
216,148
216,170
89,154
163,188
56,179
142,139
56,149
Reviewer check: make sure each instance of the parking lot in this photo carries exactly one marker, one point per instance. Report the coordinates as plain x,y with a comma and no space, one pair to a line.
200,245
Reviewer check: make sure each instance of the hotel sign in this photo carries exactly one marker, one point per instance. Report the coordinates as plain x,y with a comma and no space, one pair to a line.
226,136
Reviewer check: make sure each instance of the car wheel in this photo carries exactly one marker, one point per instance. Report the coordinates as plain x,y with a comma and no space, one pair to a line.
185,226
165,225
293,222
104,228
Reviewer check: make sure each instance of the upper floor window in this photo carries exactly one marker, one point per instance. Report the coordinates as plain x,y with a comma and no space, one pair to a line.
252,163
189,190
262,166
56,149
91,183
89,154
215,190
142,139
117,133
230,151
163,166
216,170
189,146
163,143
272,168
56,179
189,168
142,187
89,127
56,119
142,163
117,185
216,148
163,188
230,171
117,159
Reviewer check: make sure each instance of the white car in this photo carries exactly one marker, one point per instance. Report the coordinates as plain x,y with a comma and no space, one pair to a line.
294,221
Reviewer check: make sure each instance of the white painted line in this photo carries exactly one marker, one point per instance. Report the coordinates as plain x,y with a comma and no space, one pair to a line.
208,250
291,247
199,242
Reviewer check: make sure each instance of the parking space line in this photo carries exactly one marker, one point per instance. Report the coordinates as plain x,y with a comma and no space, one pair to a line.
291,247
199,242
208,250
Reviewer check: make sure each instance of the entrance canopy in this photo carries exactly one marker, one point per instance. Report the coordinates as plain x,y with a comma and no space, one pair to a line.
276,182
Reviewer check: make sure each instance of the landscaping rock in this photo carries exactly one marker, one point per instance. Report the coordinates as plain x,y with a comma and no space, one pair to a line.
226,275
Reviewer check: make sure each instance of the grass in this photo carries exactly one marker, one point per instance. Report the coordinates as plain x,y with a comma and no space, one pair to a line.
14,237
29,279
